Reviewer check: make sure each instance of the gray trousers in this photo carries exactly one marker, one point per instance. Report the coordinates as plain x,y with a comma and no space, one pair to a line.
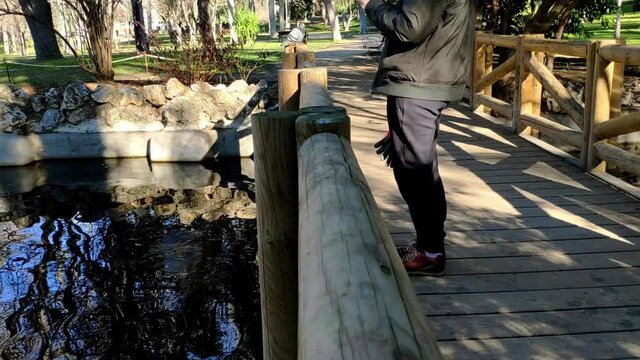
414,130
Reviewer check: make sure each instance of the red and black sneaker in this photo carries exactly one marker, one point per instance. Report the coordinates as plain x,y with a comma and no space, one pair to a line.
417,262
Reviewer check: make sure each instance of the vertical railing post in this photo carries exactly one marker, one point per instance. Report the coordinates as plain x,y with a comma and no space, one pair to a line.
592,52
488,68
478,71
600,107
528,93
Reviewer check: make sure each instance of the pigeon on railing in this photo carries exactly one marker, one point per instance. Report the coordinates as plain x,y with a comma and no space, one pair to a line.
297,34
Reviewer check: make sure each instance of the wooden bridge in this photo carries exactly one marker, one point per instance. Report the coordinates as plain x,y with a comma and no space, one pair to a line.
543,256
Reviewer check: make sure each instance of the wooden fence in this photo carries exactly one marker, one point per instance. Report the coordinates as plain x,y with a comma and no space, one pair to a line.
597,120
332,284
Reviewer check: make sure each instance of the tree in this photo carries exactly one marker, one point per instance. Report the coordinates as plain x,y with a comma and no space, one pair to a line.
333,20
204,25
273,30
140,34
231,10
618,19
40,23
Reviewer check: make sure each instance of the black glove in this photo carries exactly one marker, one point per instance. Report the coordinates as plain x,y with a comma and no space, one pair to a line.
384,148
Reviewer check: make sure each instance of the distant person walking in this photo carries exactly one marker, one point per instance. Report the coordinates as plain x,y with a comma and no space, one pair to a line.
425,64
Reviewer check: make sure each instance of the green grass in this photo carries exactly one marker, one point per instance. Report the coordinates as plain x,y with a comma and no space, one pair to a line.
266,53
630,28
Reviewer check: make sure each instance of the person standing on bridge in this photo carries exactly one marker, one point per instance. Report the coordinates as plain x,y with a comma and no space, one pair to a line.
425,64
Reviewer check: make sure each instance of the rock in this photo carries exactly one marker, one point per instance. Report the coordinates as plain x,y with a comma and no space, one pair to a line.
184,112
52,97
238,85
82,114
50,120
203,87
175,88
154,94
222,102
39,103
131,96
130,113
187,216
75,96
14,95
10,116
107,94
263,85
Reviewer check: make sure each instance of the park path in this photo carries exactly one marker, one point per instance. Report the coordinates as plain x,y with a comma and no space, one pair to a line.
543,258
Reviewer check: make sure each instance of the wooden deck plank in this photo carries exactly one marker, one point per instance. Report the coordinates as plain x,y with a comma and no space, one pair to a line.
470,250
530,301
554,280
621,345
562,322
543,263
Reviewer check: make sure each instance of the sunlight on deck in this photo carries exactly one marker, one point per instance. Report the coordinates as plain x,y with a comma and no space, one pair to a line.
559,213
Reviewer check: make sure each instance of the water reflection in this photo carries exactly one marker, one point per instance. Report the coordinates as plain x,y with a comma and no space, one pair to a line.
87,273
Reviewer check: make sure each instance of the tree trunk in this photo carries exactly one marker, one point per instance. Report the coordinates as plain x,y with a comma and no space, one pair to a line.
548,11
204,24
142,42
564,19
334,21
100,34
23,44
149,18
287,12
281,14
231,11
252,5
40,24
363,21
273,29
616,34
325,16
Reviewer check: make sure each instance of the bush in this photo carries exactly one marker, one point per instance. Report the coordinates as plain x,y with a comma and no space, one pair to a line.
247,25
191,63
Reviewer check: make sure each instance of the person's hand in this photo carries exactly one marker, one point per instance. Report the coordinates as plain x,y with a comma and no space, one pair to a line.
384,148
363,3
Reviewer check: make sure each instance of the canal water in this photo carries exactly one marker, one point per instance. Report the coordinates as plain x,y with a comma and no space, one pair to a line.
121,259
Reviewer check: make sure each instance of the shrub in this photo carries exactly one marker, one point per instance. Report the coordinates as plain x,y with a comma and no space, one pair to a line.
191,63
247,25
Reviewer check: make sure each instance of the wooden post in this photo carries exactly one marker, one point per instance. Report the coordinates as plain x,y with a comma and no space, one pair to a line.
478,72
314,123
356,300
288,60
488,68
288,89
528,97
617,86
600,107
587,124
275,160
313,88
305,59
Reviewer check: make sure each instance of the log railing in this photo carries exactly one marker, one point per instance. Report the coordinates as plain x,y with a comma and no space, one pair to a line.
596,121
332,284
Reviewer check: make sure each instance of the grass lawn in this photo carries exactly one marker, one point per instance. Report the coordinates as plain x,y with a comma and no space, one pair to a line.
266,53
630,28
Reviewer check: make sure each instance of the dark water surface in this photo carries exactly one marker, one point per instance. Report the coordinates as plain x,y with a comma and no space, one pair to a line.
118,260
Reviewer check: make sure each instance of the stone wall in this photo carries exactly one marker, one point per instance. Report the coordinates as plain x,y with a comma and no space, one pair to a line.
107,108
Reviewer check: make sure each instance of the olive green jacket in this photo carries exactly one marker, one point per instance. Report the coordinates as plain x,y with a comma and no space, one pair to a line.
428,50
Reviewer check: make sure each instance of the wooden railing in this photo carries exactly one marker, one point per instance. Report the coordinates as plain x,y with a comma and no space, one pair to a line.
332,284
597,120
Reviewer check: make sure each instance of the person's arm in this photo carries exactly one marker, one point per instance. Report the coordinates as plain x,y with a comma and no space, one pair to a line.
411,23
